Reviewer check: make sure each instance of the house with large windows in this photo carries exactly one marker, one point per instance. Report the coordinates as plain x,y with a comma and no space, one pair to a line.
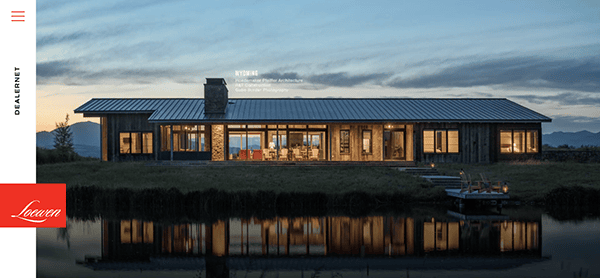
217,128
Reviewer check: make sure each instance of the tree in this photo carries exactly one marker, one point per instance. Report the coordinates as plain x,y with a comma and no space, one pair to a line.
63,139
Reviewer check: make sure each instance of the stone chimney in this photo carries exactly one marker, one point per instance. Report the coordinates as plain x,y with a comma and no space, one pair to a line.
215,96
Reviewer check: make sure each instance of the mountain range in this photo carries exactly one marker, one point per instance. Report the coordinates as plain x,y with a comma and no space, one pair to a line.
86,139
575,139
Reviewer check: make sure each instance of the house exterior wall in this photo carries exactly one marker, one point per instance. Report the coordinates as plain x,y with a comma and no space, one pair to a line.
478,142
218,142
516,156
117,123
356,143
475,143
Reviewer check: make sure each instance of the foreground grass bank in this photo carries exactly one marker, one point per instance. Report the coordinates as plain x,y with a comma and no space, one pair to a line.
528,181
532,180
327,180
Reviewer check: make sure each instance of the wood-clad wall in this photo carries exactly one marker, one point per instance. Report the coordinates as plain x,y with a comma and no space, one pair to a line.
356,131
410,142
130,123
475,143
517,126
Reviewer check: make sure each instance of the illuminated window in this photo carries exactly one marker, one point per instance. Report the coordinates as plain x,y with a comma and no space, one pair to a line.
186,138
125,231
135,142
344,141
453,141
136,146
532,141
366,142
136,231
147,139
506,144
125,142
440,141
519,141
428,141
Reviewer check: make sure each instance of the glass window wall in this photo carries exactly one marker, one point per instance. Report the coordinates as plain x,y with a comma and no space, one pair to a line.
276,142
186,138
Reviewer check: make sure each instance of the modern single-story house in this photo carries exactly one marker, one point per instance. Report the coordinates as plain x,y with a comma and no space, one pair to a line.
462,130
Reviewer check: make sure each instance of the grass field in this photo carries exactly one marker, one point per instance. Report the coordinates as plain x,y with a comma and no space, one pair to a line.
529,181
532,180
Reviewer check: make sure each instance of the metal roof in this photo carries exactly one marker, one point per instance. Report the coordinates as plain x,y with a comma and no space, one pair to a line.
321,110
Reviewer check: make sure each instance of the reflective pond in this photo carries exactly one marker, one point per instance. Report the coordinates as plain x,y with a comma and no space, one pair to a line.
421,242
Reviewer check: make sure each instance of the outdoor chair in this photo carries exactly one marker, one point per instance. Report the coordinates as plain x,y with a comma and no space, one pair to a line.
467,185
465,182
477,187
489,185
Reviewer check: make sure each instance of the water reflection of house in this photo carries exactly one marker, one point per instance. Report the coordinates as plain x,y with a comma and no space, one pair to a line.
320,236
218,128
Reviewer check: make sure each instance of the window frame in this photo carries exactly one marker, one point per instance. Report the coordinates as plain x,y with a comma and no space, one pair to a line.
180,144
140,142
525,142
370,150
345,142
446,142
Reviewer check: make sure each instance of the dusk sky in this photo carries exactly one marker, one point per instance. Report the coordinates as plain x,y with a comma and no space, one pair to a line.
541,54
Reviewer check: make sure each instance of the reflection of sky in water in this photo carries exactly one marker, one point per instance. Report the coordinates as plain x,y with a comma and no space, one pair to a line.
571,245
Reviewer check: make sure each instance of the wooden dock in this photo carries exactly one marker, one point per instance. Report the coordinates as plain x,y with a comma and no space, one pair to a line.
476,196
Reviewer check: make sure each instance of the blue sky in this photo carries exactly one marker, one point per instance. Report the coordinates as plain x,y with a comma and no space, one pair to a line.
541,54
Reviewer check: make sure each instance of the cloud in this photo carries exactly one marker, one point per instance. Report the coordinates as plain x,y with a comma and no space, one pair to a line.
80,35
56,39
277,75
340,79
122,7
68,73
52,69
563,99
528,72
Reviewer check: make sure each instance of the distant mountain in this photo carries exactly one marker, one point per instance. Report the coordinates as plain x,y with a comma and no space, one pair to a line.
575,139
86,139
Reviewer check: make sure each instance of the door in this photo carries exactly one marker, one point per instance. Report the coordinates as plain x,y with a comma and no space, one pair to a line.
394,144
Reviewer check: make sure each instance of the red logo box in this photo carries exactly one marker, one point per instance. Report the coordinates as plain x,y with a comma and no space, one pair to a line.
40,205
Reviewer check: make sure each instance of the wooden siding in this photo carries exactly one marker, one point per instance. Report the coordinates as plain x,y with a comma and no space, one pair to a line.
410,143
517,156
356,131
475,140
103,139
478,142
117,123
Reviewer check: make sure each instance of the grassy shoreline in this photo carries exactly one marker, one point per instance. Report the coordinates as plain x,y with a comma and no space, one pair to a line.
529,181
532,180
